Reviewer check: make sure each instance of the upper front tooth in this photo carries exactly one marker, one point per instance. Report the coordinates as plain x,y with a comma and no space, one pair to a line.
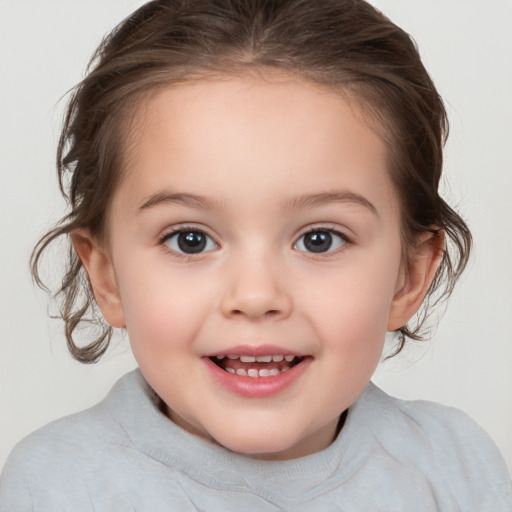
260,359
264,359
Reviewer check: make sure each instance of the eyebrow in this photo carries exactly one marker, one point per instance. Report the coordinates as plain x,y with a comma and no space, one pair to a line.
323,198
166,198
297,203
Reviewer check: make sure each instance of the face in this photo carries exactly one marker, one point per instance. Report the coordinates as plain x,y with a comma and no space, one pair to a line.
255,256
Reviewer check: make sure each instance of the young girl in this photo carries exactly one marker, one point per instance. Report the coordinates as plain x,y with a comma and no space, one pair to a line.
254,199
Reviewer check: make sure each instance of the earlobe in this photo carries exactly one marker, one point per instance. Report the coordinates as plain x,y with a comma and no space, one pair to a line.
415,280
98,264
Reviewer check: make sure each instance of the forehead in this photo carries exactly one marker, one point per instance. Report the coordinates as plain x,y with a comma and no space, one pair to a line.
282,131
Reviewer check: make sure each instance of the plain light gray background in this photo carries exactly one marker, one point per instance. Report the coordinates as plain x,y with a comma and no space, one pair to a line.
466,45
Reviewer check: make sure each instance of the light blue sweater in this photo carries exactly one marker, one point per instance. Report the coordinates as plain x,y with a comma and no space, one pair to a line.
125,455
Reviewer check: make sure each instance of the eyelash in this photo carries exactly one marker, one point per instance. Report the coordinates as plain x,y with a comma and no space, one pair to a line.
316,229
324,229
185,230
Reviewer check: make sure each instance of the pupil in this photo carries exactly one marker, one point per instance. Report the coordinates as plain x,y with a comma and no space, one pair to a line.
191,242
319,241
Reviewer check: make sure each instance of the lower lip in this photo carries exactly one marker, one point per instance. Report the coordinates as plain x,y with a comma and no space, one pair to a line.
257,387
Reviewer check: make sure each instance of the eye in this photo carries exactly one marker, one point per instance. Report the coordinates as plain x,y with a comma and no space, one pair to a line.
320,240
189,241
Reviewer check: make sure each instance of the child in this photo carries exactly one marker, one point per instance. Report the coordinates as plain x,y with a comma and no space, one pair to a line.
253,190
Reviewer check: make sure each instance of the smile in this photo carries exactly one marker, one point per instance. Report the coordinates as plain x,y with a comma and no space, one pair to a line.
263,366
257,372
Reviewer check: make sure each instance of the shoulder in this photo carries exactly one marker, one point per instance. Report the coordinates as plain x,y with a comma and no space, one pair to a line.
449,429
71,436
445,444
58,458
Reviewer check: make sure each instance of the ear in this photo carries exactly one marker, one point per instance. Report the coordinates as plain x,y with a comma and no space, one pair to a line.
415,278
99,267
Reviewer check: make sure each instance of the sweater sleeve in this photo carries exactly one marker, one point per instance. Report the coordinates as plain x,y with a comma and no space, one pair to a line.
473,467
15,492
40,476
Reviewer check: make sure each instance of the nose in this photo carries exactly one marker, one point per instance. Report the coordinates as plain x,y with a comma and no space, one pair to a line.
255,289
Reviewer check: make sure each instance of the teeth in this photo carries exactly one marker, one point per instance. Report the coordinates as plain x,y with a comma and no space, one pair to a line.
262,373
264,359
277,358
257,372
253,372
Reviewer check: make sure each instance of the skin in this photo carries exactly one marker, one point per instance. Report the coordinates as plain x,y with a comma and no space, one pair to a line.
269,159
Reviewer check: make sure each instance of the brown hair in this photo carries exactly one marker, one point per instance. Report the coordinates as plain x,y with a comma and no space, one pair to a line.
344,44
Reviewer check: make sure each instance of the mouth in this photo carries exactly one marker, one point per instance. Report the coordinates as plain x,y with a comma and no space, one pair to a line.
261,371
262,366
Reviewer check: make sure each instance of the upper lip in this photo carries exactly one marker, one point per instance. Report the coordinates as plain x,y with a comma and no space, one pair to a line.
255,351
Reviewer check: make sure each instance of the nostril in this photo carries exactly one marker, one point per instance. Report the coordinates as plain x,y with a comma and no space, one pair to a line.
269,314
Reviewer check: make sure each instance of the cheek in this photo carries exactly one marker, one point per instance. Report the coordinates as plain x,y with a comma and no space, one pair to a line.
160,311
351,307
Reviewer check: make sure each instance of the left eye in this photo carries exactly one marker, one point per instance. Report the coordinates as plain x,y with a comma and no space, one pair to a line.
319,241
190,242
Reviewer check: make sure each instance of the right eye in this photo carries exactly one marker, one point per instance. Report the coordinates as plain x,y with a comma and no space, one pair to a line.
189,241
